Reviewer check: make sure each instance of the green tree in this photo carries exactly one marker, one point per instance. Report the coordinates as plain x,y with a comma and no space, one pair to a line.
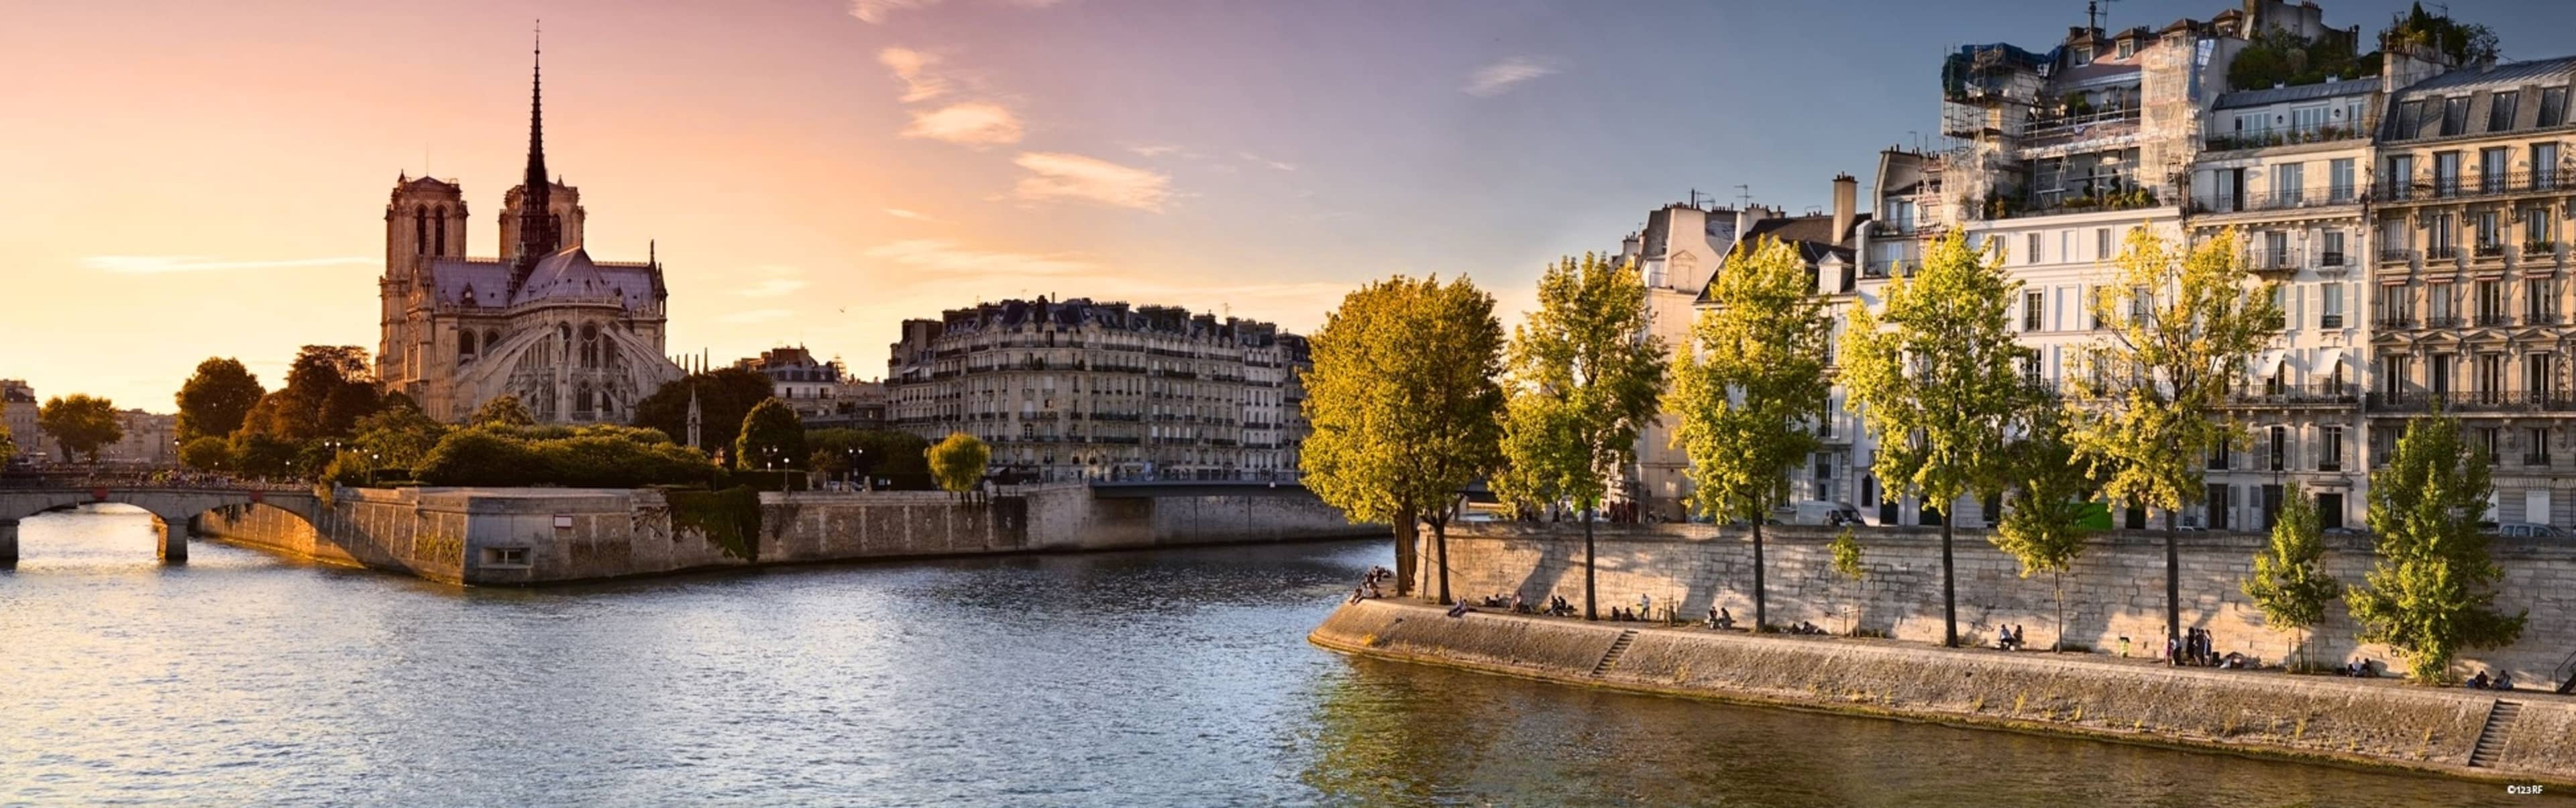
1584,380
328,388
1404,407
958,461
399,437
502,410
869,453
2044,528
1941,386
259,454
214,401
725,397
82,424
2432,592
1848,564
2179,326
2290,584
8,444
771,434
1748,386
208,453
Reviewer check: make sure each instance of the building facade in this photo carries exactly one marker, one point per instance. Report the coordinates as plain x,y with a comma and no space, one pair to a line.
577,340
820,391
1078,390
21,408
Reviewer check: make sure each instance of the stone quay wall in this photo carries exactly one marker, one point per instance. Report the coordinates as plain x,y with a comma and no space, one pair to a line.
2115,589
2380,722
524,536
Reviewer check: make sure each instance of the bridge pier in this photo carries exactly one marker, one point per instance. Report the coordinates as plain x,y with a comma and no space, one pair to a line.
8,541
174,541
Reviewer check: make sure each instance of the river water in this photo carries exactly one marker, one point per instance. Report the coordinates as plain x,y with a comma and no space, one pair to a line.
1175,677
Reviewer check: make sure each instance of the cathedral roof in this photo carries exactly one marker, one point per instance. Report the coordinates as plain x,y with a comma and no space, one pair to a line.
566,273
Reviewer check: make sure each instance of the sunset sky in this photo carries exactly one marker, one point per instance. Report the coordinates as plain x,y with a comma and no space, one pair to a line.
181,180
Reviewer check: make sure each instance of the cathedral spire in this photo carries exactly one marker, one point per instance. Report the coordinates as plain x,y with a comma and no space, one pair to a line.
536,210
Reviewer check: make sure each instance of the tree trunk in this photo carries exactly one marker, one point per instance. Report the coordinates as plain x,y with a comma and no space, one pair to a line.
1407,533
1760,612
2059,583
1949,584
1590,610
1440,543
2173,582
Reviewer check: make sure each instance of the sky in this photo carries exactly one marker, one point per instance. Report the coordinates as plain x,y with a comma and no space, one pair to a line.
181,180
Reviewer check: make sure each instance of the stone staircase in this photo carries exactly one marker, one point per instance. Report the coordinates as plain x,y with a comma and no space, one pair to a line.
1611,657
2491,739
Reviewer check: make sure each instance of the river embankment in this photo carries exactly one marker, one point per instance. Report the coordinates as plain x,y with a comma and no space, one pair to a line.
2522,737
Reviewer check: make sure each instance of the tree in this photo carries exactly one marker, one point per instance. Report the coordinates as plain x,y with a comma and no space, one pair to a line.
215,400
327,390
399,437
1584,380
2465,44
1941,383
259,454
770,434
2432,591
868,453
207,453
958,462
1748,385
2179,327
1847,563
8,444
502,410
725,397
82,424
2044,527
2290,584
1404,407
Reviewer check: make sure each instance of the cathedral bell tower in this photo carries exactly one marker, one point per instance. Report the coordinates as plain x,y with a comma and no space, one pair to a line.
424,221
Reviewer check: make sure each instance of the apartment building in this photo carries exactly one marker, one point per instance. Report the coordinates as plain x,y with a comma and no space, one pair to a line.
1675,254
1082,390
2470,211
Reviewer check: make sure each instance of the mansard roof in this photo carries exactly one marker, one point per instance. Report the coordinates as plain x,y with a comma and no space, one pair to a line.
2304,92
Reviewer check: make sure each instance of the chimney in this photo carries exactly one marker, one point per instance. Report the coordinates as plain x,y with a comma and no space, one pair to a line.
1846,198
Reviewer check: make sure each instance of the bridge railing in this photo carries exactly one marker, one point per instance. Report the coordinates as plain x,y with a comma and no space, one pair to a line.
195,481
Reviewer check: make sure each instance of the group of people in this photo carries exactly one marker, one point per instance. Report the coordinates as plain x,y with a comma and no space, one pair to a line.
1804,627
2359,668
2008,638
2502,681
1368,584
1720,618
2196,647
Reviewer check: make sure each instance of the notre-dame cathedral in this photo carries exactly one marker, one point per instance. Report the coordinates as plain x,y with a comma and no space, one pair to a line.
577,340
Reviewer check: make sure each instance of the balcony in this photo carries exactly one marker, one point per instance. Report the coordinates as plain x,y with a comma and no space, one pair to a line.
2430,187
2540,318
2393,323
2539,251
2279,199
2078,196
2442,252
2536,459
2412,401
2329,321
2270,136
2395,255
2486,252
2056,129
2270,260
2494,320
2289,394
2330,259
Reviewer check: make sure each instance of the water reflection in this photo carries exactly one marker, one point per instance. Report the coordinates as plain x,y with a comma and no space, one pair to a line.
1162,678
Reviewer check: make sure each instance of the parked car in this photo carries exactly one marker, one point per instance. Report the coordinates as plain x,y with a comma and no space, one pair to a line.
2527,530
1817,512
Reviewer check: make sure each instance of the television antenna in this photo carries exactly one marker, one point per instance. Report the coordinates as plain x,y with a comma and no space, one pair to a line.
1744,197
2094,12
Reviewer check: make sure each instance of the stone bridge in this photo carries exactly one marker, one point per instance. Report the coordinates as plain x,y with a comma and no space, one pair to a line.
174,504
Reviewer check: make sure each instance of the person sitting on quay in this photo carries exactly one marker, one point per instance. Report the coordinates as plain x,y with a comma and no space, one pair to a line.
1459,609
2478,682
2504,681
1519,607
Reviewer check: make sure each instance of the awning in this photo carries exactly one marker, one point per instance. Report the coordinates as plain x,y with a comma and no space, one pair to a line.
2270,365
2327,359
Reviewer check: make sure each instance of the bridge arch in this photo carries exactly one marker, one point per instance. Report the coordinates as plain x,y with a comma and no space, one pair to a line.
176,507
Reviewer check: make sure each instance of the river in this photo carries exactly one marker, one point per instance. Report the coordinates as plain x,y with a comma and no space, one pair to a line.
1177,677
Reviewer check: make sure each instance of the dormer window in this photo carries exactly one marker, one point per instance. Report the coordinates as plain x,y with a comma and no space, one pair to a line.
2128,48
2083,56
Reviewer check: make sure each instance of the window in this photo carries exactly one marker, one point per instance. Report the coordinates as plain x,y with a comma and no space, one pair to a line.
2330,511
2535,227
2310,121
2333,256
2490,378
2031,257
2490,302
2488,441
2102,243
2536,452
2280,448
2410,119
2544,165
2500,110
2276,251
2494,167
2455,115
2535,376
2339,180
2330,310
2031,304
2287,189
2330,448
2446,173
2440,242
2553,106
2437,375
2139,303
2540,301
505,556
2392,374
2398,182
2126,49
2490,232
2218,457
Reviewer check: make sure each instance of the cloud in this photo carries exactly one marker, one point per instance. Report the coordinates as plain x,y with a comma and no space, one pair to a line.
1153,150
1260,160
951,261
755,316
972,123
900,213
158,264
874,12
1056,175
772,287
1499,77
913,67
